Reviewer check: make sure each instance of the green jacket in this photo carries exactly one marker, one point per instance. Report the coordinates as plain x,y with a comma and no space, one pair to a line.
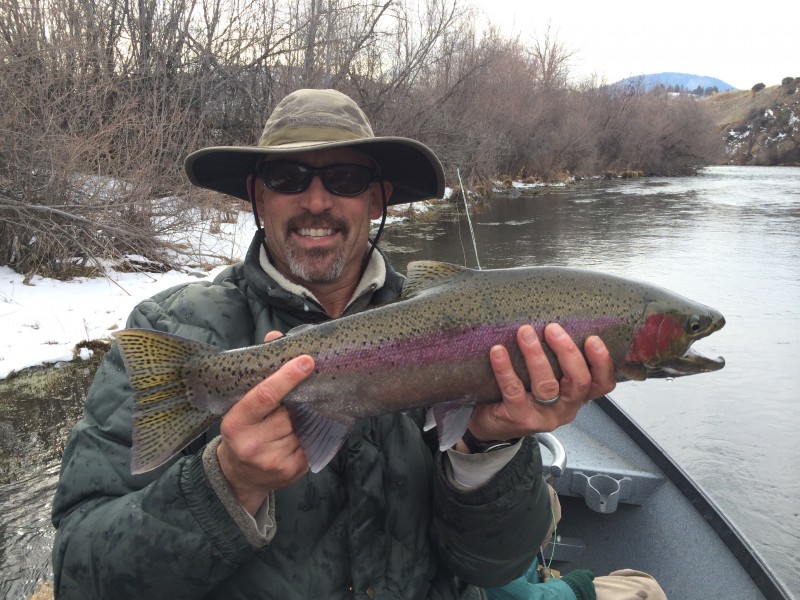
382,520
531,587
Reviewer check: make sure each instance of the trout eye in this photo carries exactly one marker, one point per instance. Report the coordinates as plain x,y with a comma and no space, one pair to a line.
694,324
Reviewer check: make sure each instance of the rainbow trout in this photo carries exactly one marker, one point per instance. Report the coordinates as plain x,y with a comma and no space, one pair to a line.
429,349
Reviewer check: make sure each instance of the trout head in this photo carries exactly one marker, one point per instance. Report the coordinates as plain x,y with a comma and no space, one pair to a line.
662,340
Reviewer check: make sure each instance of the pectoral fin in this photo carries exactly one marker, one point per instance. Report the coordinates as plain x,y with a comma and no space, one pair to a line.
631,371
320,435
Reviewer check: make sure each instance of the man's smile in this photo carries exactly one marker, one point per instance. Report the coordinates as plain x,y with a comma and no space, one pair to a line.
315,232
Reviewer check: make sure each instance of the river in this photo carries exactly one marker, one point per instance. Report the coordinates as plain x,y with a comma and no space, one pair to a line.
729,238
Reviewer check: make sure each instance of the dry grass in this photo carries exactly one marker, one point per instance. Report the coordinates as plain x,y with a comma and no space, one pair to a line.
44,591
734,107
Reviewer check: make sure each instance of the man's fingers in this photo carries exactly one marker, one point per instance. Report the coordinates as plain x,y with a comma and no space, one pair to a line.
272,335
263,399
275,432
510,385
517,414
544,384
601,366
576,378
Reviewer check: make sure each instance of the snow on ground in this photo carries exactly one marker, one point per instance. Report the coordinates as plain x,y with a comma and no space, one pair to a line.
41,321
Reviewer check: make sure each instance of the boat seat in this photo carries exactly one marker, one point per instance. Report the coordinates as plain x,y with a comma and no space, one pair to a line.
594,471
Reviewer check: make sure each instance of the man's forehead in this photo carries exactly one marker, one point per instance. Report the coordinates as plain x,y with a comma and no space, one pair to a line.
326,156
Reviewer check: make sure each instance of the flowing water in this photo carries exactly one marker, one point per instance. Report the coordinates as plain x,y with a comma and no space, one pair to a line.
729,238
37,411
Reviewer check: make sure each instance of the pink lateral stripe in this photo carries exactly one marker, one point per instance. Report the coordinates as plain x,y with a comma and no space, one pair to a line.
450,346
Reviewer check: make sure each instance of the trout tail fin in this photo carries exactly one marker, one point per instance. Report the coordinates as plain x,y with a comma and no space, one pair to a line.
164,419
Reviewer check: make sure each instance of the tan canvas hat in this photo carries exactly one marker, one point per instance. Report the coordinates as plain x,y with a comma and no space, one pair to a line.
314,119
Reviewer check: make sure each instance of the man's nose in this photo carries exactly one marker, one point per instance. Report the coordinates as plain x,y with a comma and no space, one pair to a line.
316,199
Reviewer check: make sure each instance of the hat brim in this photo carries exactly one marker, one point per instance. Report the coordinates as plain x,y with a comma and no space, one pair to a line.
411,167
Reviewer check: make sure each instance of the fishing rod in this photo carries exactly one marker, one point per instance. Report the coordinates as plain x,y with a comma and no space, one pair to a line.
469,220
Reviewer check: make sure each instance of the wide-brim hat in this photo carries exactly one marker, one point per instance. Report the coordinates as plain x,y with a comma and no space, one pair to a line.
313,120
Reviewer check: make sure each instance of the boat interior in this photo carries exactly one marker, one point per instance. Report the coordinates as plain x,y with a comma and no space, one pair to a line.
627,504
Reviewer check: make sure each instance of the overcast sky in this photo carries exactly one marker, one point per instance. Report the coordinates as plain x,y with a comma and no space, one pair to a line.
741,43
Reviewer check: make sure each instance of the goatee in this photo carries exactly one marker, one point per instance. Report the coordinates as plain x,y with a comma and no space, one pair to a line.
315,266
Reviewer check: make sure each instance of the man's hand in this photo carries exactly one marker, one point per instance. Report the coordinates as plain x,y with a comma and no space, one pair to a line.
259,451
519,414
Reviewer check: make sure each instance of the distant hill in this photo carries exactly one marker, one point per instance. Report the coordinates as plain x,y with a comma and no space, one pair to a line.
760,126
683,80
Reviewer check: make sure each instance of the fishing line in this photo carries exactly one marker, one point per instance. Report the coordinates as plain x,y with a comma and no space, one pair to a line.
466,210
545,566
555,537
460,239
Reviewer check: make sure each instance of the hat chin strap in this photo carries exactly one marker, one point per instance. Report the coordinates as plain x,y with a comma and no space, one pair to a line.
373,242
259,228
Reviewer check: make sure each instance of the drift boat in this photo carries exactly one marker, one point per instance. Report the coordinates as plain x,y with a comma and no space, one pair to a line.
627,504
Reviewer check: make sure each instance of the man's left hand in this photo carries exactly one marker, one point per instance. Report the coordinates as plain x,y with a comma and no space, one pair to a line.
519,414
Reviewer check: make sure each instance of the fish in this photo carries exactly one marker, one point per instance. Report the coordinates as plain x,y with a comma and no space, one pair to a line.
429,349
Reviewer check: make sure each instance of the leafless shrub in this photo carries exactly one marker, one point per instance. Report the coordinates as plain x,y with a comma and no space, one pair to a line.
101,101
90,139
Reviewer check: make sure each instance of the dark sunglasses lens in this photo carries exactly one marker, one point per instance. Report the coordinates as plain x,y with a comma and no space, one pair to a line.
292,178
286,178
347,180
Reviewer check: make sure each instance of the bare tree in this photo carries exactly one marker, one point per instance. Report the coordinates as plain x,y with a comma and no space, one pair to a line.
100,100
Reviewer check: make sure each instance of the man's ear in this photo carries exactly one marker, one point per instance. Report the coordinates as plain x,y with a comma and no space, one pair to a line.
376,209
250,189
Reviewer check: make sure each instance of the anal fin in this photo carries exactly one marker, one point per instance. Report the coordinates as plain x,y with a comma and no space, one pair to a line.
451,420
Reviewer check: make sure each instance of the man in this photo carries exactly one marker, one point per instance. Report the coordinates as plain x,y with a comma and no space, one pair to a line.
237,514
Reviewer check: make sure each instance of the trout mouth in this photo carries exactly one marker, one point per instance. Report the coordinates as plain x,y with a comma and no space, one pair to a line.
691,363
662,343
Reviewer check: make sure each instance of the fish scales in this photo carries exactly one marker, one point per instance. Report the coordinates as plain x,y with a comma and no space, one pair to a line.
428,349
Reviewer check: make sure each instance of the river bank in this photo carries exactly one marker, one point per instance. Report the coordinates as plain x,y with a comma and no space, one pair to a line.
38,408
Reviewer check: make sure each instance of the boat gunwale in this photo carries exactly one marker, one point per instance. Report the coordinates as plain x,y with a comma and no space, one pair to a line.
765,579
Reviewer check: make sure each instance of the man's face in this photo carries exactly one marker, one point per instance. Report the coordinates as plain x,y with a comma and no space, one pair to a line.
315,236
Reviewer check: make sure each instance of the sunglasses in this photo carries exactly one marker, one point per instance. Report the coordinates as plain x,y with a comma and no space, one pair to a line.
290,177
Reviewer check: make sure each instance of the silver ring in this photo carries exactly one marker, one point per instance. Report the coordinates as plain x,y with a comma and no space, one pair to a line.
551,402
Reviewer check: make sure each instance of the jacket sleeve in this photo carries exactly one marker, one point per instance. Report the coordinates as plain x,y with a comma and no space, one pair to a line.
485,536
531,587
163,534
